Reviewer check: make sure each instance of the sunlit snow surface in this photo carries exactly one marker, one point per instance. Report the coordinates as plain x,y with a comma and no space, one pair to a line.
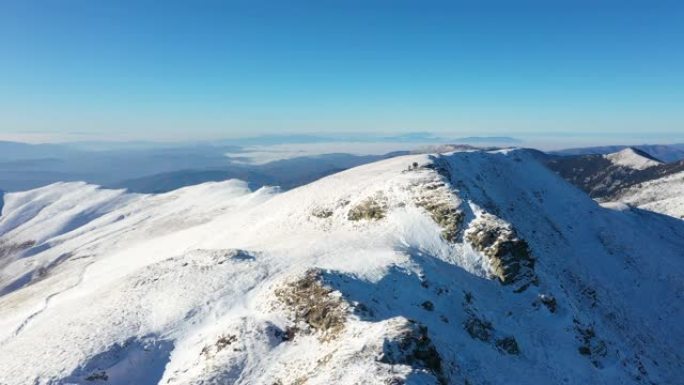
662,195
180,288
631,159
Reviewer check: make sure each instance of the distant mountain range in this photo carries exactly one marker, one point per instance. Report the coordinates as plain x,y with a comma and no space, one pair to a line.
664,152
157,168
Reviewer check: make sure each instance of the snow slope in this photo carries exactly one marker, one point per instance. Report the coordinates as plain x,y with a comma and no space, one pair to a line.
663,195
472,267
632,158
628,176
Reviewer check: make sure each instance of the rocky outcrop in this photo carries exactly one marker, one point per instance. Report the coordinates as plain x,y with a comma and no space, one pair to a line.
508,256
594,348
372,208
314,306
438,200
413,347
483,330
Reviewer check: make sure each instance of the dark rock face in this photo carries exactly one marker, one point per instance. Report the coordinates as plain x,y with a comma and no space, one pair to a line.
479,329
102,376
444,213
590,345
414,348
314,305
549,301
508,345
509,256
428,305
483,330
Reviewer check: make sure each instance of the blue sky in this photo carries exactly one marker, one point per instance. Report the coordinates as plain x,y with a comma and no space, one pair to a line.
171,70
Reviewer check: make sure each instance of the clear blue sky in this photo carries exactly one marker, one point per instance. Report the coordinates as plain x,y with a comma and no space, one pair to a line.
171,70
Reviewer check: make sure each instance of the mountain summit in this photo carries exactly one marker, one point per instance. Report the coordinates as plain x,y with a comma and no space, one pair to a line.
477,267
633,158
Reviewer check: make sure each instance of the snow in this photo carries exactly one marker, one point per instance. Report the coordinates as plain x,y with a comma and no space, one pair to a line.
663,195
630,158
182,288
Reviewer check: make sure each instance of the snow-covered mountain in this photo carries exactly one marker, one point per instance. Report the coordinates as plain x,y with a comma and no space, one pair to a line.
471,267
628,176
601,175
633,158
665,152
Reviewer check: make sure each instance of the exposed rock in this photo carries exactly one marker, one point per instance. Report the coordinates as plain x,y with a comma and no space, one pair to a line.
508,345
221,343
395,381
479,329
98,376
483,330
414,348
549,301
428,305
591,346
467,297
444,212
322,213
591,295
314,305
440,168
288,334
362,309
372,208
437,198
509,256
224,341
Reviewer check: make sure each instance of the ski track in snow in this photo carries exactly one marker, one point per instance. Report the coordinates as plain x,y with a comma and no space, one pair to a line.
46,303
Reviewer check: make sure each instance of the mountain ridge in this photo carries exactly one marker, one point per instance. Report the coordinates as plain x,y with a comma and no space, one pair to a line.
629,176
469,266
